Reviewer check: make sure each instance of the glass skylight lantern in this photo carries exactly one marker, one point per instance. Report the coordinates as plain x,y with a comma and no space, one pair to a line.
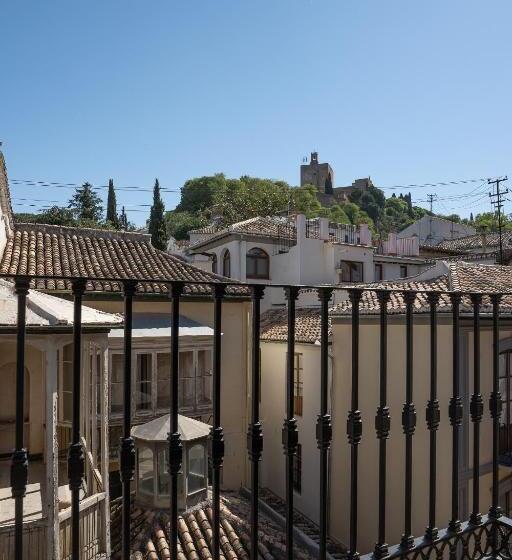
152,473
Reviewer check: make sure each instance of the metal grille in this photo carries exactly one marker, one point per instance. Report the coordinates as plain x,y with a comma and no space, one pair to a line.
479,537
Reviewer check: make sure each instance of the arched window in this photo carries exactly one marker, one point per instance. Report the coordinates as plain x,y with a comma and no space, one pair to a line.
226,264
257,264
214,263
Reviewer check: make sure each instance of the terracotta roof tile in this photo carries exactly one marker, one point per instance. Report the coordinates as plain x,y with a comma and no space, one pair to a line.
150,533
269,227
62,251
460,277
471,242
274,325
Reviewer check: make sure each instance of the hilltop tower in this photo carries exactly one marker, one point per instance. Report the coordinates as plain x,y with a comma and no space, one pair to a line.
320,175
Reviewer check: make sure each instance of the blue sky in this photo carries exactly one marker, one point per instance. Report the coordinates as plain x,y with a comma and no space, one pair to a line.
405,92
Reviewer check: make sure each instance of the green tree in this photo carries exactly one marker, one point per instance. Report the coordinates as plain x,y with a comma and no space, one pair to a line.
197,194
55,215
86,205
180,223
249,197
112,216
372,201
337,214
304,200
156,225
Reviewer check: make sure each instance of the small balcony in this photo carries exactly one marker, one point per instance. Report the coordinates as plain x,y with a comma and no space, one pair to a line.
411,438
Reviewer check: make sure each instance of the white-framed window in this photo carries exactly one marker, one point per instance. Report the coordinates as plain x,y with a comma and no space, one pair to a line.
116,383
151,381
163,380
65,384
143,382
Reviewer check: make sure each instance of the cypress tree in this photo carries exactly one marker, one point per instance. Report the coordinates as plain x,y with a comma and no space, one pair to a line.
156,220
112,205
123,220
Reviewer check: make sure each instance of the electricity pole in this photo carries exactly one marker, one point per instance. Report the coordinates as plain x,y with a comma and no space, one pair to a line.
431,198
496,197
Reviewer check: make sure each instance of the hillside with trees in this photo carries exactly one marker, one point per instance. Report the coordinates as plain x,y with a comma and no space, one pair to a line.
216,197
233,200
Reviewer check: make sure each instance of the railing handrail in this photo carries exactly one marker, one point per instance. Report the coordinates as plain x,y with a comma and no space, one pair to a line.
86,503
239,284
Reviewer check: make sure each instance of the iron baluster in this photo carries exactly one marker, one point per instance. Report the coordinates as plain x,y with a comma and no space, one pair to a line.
19,463
324,426
495,405
127,446
217,434
76,460
290,434
408,420
382,423
174,438
433,418
354,424
255,434
476,409
455,411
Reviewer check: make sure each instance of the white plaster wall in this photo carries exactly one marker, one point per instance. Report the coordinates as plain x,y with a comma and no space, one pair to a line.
391,271
355,253
441,229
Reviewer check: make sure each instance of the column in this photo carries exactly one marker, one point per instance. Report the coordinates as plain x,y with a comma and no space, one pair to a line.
104,445
52,450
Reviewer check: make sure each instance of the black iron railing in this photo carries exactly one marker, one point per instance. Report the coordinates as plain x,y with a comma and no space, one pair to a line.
478,537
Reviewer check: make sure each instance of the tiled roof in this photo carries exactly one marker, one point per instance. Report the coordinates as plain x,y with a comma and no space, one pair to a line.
5,195
269,227
476,241
150,533
36,249
274,325
460,277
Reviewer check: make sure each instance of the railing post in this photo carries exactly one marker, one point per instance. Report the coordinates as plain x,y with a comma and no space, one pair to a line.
455,411
173,437
477,410
290,434
433,418
495,405
127,446
408,420
354,424
19,462
254,433
217,434
382,423
76,452
323,425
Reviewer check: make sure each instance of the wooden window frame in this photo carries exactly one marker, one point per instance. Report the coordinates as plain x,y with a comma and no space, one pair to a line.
379,266
256,256
351,270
